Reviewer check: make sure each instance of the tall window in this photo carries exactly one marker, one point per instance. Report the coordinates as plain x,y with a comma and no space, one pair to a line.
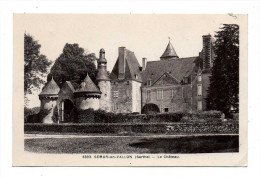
199,89
148,95
184,92
115,106
199,78
173,92
199,107
115,94
159,94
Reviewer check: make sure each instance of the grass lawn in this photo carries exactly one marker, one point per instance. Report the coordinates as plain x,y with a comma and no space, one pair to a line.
190,144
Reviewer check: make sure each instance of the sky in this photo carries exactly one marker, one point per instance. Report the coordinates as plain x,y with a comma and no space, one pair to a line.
145,35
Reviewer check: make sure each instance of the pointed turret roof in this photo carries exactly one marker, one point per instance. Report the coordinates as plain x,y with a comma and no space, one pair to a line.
169,52
88,86
51,88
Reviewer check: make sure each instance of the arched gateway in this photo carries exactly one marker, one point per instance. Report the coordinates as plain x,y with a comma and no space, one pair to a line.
150,108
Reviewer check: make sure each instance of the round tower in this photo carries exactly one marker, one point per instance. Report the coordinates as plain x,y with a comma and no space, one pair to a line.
104,82
87,95
48,97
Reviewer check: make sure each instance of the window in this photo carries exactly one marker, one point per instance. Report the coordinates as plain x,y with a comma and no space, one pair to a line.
199,87
136,76
159,94
184,92
115,94
115,106
127,82
185,80
148,95
174,92
149,82
166,109
199,107
199,78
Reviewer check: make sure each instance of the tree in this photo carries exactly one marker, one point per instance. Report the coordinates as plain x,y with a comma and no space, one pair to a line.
35,64
223,92
73,65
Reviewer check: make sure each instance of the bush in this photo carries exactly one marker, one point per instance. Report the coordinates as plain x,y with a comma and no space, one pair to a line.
37,118
30,114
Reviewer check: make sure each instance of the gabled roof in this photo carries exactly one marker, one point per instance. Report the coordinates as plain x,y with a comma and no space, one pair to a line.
88,86
177,68
132,67
169,52
51,88
70,86
166,79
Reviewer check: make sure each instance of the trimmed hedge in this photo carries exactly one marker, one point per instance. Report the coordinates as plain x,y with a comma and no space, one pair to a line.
130,128
100,116
205,115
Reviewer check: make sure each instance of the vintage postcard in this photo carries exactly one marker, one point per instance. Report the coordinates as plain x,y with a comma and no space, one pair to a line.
130,90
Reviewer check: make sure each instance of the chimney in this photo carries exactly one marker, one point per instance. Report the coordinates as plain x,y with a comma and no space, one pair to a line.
121,62
207,51
144,61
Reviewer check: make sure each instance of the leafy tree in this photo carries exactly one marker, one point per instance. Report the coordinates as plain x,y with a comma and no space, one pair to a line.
223,92
35,64
73,65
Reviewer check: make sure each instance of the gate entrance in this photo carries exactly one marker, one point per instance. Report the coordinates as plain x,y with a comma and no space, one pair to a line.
66,111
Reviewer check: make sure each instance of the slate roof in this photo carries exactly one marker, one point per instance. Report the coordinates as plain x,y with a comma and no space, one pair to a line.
177,68
88,86
169,51
132,67
51,88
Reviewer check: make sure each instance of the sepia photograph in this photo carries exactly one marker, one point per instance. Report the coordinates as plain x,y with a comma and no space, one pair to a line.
151,87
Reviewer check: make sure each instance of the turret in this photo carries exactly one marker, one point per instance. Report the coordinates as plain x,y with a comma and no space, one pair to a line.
102,74
104,82
87,95
48,97
169,53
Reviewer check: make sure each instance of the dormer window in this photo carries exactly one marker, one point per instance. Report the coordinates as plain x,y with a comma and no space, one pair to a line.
136,76
149,82
185,80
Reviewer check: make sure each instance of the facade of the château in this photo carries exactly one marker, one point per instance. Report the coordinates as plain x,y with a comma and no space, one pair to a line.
169,84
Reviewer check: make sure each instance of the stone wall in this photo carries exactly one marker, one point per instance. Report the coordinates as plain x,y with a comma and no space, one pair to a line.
136,96
105,100
172,101
121,96
48,104
87,102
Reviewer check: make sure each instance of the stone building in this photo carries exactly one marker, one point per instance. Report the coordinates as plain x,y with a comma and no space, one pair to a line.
178,84
126,81
169,84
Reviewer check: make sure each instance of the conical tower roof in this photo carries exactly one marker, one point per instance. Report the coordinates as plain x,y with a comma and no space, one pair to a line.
88,86
51,88
169,52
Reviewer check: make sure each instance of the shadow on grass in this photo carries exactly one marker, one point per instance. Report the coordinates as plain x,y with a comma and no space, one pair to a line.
201,144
